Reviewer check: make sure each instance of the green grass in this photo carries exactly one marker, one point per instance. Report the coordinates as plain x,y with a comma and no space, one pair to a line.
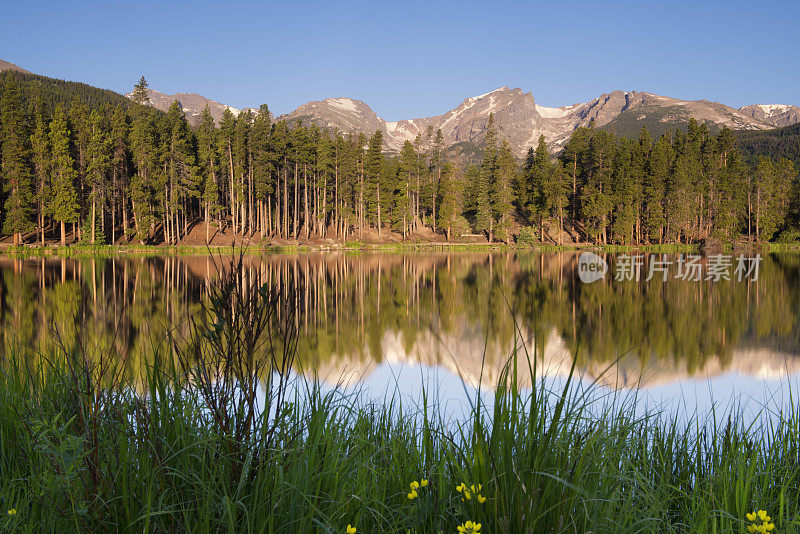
81,250
111,251
218,436
350,246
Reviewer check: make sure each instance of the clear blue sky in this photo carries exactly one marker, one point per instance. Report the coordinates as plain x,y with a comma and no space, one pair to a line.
412,59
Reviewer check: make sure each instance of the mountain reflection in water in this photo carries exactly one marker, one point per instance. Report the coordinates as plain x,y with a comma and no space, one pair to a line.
459,312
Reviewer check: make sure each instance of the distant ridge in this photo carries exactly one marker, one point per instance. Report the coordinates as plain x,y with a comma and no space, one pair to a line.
192,104
519,119
61,92
5,65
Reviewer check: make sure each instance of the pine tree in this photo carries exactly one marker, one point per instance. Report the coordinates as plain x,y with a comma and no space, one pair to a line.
183,172
298,141
16,168
658,170
225,142
99,161
408,169
263,168
596,192
325,173
40,142
557,193
451,206
791,177
372,170
78,117
697,135
143,188
625,193
140,94
484,221
575,149
552,197
207,156
64,199
678,199
537,185
772,193
279,142
120,172
641,167
241,166
502,192
436,176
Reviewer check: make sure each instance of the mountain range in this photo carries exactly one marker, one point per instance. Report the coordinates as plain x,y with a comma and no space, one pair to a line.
518,118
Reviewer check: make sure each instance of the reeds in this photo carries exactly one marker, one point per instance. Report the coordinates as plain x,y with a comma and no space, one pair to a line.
225,434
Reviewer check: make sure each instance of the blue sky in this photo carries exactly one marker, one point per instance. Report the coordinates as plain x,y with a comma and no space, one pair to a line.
411,59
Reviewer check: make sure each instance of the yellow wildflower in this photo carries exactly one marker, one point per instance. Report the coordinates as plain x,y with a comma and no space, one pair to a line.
412,495
351,529
761,522
481,498
423,482
460,488
414,485
467,495
469,528
13,511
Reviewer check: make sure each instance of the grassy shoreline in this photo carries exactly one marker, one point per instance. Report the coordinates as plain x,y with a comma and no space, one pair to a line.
171,459
356,246
217,436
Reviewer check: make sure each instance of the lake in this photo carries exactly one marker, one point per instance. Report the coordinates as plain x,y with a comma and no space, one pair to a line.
388,323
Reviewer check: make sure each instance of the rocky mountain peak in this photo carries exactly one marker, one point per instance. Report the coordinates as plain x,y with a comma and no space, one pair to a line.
778,115
519,120
192,104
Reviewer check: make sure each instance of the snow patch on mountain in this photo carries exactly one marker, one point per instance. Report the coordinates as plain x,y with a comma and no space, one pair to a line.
473,99
553,113
773,108
345,104
520,121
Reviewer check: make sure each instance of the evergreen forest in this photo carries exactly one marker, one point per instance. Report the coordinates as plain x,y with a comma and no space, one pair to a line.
85,165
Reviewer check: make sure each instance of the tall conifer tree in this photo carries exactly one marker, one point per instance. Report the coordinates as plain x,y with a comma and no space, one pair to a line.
16,167
64,199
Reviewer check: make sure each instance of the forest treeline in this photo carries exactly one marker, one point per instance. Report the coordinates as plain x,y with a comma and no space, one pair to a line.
683,187
780,142
114,171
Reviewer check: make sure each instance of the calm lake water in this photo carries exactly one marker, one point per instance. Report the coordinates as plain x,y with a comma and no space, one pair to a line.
389,323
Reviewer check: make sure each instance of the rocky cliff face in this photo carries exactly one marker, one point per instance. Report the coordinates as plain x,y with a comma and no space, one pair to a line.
520,120
346,114
192,104
778,115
